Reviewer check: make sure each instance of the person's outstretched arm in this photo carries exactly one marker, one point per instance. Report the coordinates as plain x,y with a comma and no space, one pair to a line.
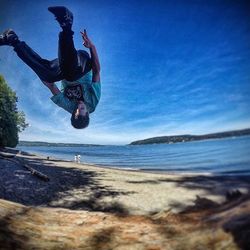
96,68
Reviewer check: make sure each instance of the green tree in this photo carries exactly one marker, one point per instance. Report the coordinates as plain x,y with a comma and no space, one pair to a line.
12,121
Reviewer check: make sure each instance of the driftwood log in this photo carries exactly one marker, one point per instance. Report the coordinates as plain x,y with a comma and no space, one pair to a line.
15,159
26,228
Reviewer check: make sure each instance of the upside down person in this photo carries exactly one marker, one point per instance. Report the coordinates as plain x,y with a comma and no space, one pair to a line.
78,72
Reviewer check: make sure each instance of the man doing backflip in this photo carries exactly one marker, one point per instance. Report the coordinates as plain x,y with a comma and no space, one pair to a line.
79,73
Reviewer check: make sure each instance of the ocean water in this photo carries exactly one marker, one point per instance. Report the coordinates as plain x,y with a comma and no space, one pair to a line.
220,156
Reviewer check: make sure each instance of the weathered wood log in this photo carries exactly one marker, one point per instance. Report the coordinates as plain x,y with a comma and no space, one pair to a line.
13,158
6,155
26,228
36,173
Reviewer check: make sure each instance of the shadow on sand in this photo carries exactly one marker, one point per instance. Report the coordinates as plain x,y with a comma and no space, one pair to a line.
231,187
66,188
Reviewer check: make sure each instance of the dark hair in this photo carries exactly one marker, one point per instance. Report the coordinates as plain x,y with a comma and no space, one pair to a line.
80,121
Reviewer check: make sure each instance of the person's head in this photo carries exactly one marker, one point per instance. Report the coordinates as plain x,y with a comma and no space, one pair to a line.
80,116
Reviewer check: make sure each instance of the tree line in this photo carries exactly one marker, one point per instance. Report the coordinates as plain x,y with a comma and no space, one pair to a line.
12,121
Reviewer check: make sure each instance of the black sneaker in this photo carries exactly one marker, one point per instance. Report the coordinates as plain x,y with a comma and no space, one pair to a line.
63,15
8,37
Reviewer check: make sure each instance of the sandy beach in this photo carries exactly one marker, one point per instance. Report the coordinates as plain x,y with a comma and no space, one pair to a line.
138,196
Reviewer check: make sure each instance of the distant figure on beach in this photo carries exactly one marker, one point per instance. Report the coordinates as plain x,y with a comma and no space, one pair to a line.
78,158
78,72
75,157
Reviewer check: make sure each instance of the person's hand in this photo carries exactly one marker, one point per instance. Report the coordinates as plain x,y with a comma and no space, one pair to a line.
86,41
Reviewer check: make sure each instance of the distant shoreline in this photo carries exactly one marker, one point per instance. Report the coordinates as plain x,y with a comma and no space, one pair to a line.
188,138
55,144
152,140
195,158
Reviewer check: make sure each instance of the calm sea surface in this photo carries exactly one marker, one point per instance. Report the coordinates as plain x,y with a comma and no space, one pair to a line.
222,156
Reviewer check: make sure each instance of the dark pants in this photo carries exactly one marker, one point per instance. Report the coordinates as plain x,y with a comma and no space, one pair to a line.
69,65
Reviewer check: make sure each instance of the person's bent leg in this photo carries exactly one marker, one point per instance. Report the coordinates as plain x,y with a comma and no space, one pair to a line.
46,70
68,57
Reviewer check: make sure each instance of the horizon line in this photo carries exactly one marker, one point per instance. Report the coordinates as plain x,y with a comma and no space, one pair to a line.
94,144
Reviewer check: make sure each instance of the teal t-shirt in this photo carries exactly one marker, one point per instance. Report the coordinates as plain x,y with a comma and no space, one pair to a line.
91,94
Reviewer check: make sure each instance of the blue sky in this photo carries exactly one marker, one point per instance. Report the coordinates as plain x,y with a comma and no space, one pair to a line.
168,67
